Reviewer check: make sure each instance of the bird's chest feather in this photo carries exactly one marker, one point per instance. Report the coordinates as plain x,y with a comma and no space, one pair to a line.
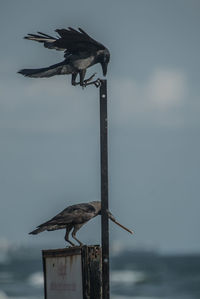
83,63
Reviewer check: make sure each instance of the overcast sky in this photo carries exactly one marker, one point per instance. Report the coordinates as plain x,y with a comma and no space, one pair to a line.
49,130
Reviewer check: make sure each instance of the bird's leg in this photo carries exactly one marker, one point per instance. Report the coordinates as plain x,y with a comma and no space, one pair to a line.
82,76
73,81
68,228
76,228
83,82
74,237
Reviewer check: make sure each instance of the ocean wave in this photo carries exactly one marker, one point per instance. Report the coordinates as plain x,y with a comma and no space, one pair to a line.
128,277
3,295
120,276
133,297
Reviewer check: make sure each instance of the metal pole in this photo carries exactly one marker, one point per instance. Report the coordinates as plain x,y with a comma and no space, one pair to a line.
104,190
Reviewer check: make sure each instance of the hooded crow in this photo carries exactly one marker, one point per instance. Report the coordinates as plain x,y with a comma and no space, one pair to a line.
80,52
74,217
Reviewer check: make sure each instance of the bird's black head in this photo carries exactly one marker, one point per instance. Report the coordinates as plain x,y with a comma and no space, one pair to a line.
103,59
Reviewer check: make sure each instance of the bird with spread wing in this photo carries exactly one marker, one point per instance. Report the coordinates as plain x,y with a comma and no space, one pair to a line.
74,217
80,52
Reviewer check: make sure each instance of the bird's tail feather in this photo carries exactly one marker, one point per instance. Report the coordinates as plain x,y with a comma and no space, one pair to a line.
56,69
48,227
38,73
38,230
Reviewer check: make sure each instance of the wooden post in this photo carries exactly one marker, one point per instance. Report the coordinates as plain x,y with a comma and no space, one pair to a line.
73,272
104,190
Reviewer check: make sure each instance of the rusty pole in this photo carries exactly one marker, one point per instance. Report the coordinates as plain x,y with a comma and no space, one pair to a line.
104,190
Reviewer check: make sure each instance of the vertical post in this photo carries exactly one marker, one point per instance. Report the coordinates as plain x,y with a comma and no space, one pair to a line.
104,189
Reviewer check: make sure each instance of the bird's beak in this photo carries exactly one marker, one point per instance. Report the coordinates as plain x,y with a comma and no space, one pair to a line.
104,68
111,217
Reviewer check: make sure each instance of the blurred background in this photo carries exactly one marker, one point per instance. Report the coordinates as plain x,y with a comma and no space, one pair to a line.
49,153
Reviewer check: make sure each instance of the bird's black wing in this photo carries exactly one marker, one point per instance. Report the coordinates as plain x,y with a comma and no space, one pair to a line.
71,41
77,41
47,40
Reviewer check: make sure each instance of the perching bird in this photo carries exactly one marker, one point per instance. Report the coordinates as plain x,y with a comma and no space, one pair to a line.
74,217
81,51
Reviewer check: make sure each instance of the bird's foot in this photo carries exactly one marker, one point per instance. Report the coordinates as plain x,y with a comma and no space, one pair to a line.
87,81
71,243
97,83
79,242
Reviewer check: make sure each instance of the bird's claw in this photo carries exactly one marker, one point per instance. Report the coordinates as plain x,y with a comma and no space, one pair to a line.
97,83
86,82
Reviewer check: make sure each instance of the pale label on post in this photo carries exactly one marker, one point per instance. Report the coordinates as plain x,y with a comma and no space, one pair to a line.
64,277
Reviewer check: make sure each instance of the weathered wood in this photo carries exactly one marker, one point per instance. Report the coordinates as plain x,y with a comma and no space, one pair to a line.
61,267
95,272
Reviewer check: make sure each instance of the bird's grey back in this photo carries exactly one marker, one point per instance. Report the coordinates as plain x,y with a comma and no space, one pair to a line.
78,213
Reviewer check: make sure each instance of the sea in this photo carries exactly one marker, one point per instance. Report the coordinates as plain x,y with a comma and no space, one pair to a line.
133,275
